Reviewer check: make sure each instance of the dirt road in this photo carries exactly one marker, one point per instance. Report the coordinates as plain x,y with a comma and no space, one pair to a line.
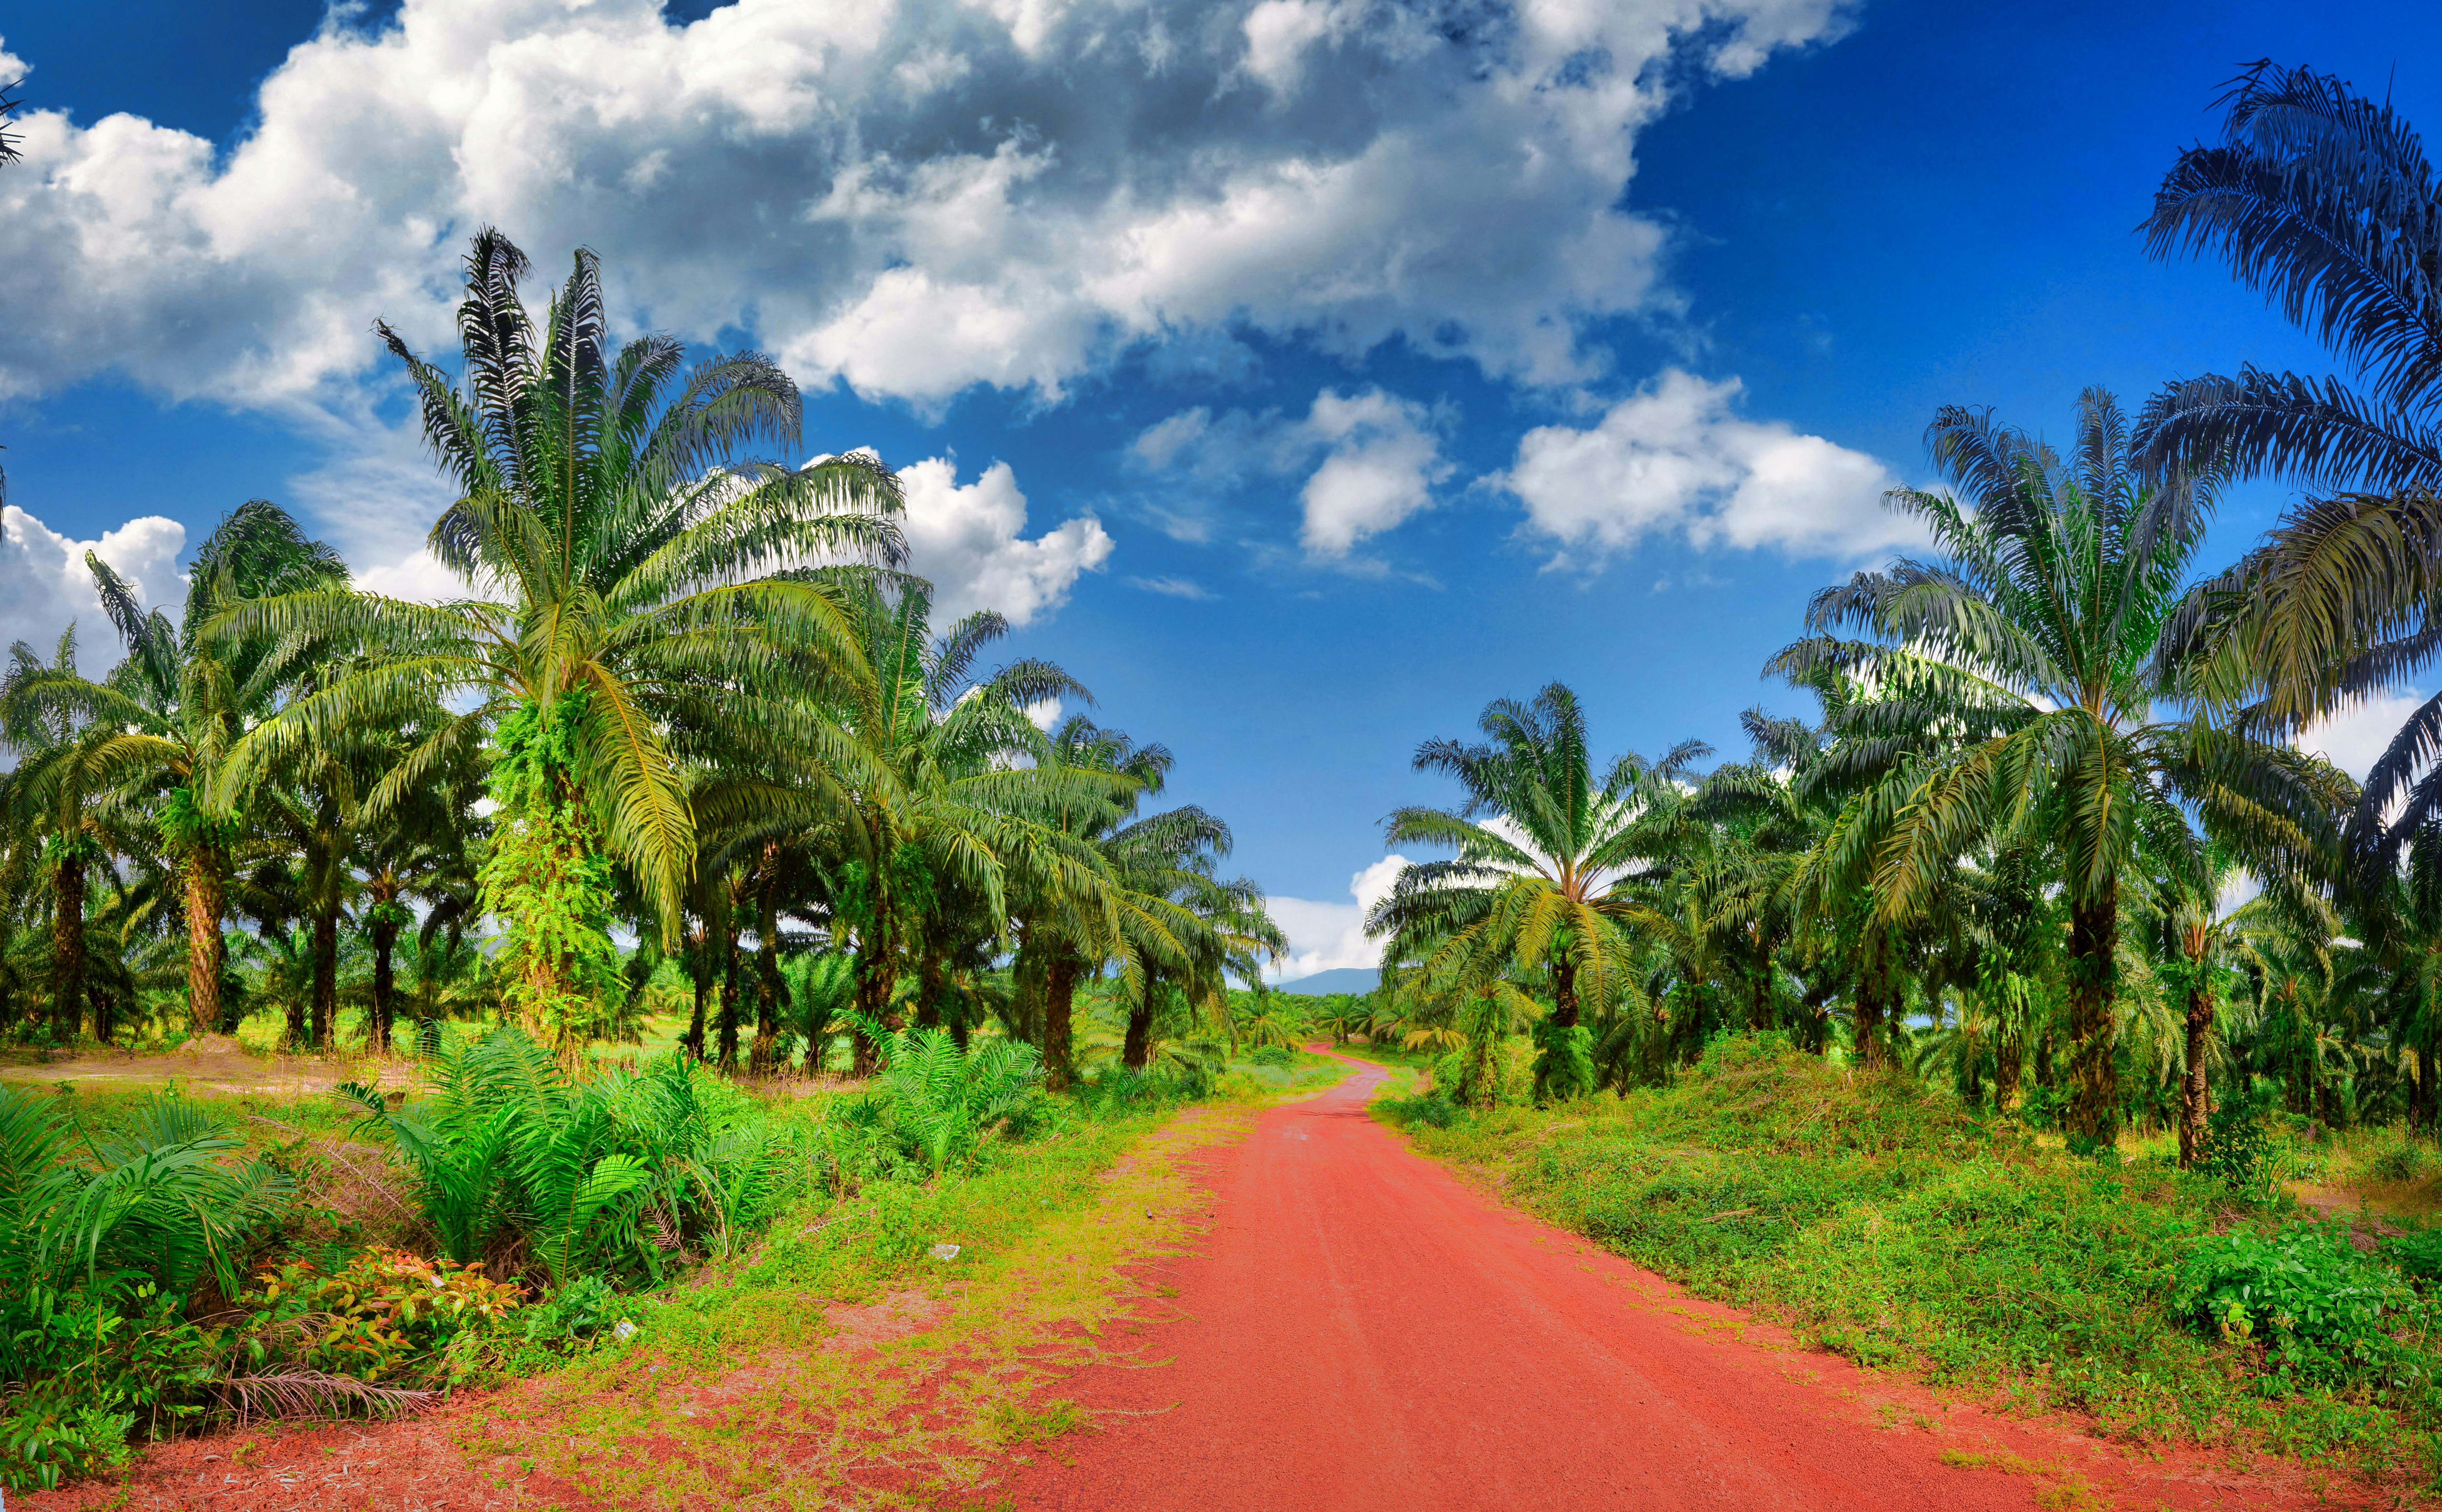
1360,1331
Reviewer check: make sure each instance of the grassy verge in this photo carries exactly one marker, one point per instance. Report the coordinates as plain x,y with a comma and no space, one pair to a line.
845,1363
1887,1224
881,1343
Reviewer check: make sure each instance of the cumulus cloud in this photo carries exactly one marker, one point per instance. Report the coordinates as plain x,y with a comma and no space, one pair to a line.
965,540
1371,460
1326,936
1383,460
44,583
1676,458
909,196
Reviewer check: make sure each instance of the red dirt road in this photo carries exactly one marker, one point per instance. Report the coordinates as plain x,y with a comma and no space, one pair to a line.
1360,1331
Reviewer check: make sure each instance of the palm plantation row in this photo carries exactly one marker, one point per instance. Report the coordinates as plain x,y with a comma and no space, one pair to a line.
2049,755
693,698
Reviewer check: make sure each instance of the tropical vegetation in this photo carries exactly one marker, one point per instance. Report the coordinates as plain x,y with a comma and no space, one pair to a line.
686,870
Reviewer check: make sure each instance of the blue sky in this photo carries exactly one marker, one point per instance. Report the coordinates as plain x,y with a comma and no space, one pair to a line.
1354,364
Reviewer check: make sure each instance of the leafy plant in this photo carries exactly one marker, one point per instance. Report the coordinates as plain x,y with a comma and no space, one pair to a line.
381,1316
942,1102
2320,1312
520,1167
2237,1148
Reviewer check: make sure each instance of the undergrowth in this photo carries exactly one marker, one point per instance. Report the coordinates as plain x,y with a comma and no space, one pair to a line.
1884,1221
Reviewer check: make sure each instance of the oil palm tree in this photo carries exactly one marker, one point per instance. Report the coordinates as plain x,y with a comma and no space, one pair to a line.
971,820
54,804
2019,686
632,609
1543,845
2325,201
179,705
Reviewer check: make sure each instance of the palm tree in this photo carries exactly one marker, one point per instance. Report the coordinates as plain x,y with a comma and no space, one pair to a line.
632,612
2017,686
1541,848
53,801
178,705
969,822
2325,201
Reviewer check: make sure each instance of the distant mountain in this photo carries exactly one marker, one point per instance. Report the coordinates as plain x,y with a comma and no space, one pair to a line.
1346,979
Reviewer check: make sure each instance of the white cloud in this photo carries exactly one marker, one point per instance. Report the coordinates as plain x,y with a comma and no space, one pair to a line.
1371,459
1186,588
1382,464
44,582
1676,459
418,577
966,541
1326,936
2354,738
911,197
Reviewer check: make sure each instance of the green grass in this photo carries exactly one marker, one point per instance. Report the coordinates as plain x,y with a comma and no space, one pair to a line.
734,1391
1887,1223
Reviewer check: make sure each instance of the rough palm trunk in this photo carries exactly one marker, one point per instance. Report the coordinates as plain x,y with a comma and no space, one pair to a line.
2424,1084
1875,997
2093,1081
732,988
1059,999
67,947
1139,1047
1026,977
2195,1097
875,977
2009,1055
767,984
385,1013
696,1023
326,975
1564,993
205,948
932,975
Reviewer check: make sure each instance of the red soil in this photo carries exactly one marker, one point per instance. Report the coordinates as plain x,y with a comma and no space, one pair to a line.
1362,1331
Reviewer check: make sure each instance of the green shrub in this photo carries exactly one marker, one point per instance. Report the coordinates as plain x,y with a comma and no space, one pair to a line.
2419,1255
53,1434
942,1102
625,1173
1275,1056
383,1318
2237,1148
1430,1108
2321,1313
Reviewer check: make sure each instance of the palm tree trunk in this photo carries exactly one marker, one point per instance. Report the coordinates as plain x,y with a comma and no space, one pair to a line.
205,947
1027,984
1139,1049
1058,1002
1872,1007
877,973
931,975
766,965
385,933
2425,1078
326,974
67,944
2094,1083
2195,1098
1564,991
2009,1055
733,987
695,1024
